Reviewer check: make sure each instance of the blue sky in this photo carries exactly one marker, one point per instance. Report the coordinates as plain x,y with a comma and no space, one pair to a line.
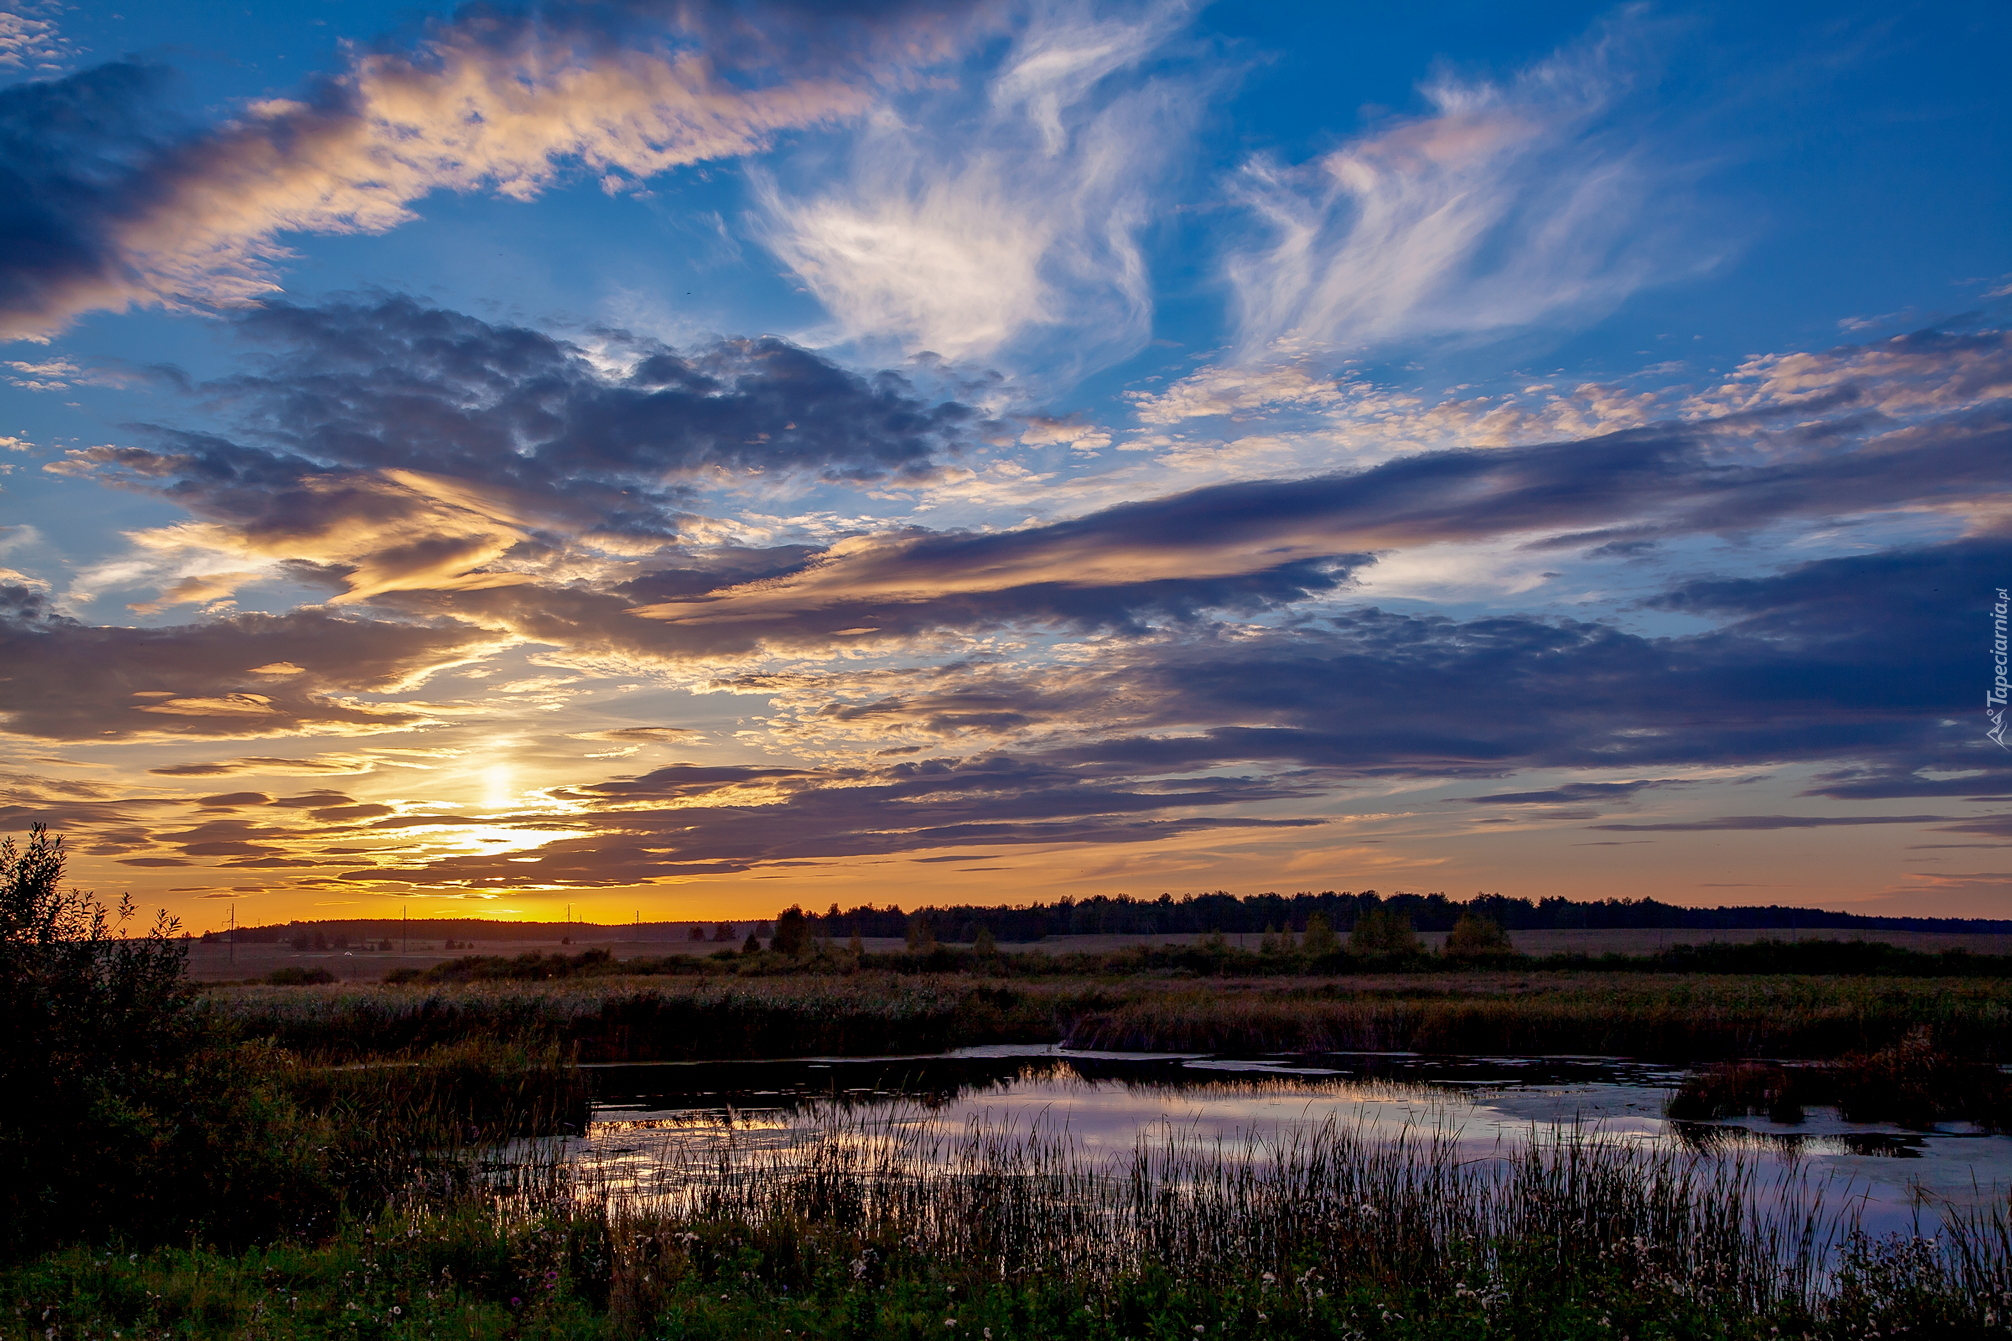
690,459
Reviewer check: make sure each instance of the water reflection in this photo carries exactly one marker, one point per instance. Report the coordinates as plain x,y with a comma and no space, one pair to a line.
652,1119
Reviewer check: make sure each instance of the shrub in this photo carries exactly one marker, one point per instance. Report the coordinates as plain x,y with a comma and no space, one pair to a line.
292,975
1381,932
1476,937
122,1111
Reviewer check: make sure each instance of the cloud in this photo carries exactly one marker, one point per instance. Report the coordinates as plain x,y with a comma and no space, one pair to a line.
109,208
637,735
1574,791
972,224
29,41
1769,822
1792,672
396,446
308,766
1214,728
72,681
1507,205
1257,543
688,819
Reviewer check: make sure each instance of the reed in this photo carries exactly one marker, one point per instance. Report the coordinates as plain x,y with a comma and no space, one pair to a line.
877,1229
645,1019
1690,1018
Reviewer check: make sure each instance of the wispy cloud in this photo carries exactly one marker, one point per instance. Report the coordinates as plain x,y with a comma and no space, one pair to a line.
973,224
1509,204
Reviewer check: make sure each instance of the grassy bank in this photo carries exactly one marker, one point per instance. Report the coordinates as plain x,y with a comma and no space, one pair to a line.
1013,1236
1676,1017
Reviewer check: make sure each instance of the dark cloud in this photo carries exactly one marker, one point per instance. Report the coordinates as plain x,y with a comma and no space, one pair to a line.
386,445
1256,544
395,384
65,680
723,819
1980,782
1765,822
1573,791
70,151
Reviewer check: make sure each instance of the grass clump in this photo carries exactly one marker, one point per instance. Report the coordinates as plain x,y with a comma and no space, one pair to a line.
1913,1083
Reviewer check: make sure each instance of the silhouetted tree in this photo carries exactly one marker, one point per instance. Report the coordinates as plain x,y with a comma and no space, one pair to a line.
792,932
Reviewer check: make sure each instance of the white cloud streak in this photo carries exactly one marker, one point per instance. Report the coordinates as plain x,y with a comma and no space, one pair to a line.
980,228
1509,204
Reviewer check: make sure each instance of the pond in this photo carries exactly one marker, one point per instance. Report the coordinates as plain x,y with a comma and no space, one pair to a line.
652,1120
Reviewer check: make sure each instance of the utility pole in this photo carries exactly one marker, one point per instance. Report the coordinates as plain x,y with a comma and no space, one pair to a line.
233,939
404,931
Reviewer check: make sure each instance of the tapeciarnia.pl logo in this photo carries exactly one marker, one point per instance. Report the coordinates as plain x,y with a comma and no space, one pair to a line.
1994,700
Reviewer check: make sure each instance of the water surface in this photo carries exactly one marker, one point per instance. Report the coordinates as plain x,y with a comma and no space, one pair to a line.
648,1118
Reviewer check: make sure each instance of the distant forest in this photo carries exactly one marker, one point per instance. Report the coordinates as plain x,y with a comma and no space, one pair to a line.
1166,915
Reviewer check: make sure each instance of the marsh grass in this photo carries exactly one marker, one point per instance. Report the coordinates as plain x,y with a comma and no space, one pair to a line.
1688,1018
1914,1083
644,1019
872,1230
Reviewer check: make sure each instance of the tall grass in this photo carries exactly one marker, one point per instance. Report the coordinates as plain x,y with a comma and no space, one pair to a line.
629,1019
643,1019
1685,1018
872,1231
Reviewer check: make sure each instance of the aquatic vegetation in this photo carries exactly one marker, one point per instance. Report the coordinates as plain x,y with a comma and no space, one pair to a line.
876,1231
1913,1083
1688,1018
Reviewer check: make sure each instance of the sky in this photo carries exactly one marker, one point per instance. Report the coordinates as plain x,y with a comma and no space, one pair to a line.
675,460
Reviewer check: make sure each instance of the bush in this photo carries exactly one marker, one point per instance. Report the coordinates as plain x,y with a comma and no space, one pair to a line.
292,975
1380,932
122,1111
1475,937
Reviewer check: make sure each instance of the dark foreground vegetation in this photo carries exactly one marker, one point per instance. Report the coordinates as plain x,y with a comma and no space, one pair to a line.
1914,1083
330,1161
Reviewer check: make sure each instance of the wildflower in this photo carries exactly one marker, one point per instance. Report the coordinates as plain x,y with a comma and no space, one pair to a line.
396,1310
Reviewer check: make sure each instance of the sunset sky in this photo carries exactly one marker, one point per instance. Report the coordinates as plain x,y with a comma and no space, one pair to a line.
682,459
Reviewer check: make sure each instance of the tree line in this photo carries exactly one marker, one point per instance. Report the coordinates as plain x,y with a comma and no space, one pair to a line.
1253,914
